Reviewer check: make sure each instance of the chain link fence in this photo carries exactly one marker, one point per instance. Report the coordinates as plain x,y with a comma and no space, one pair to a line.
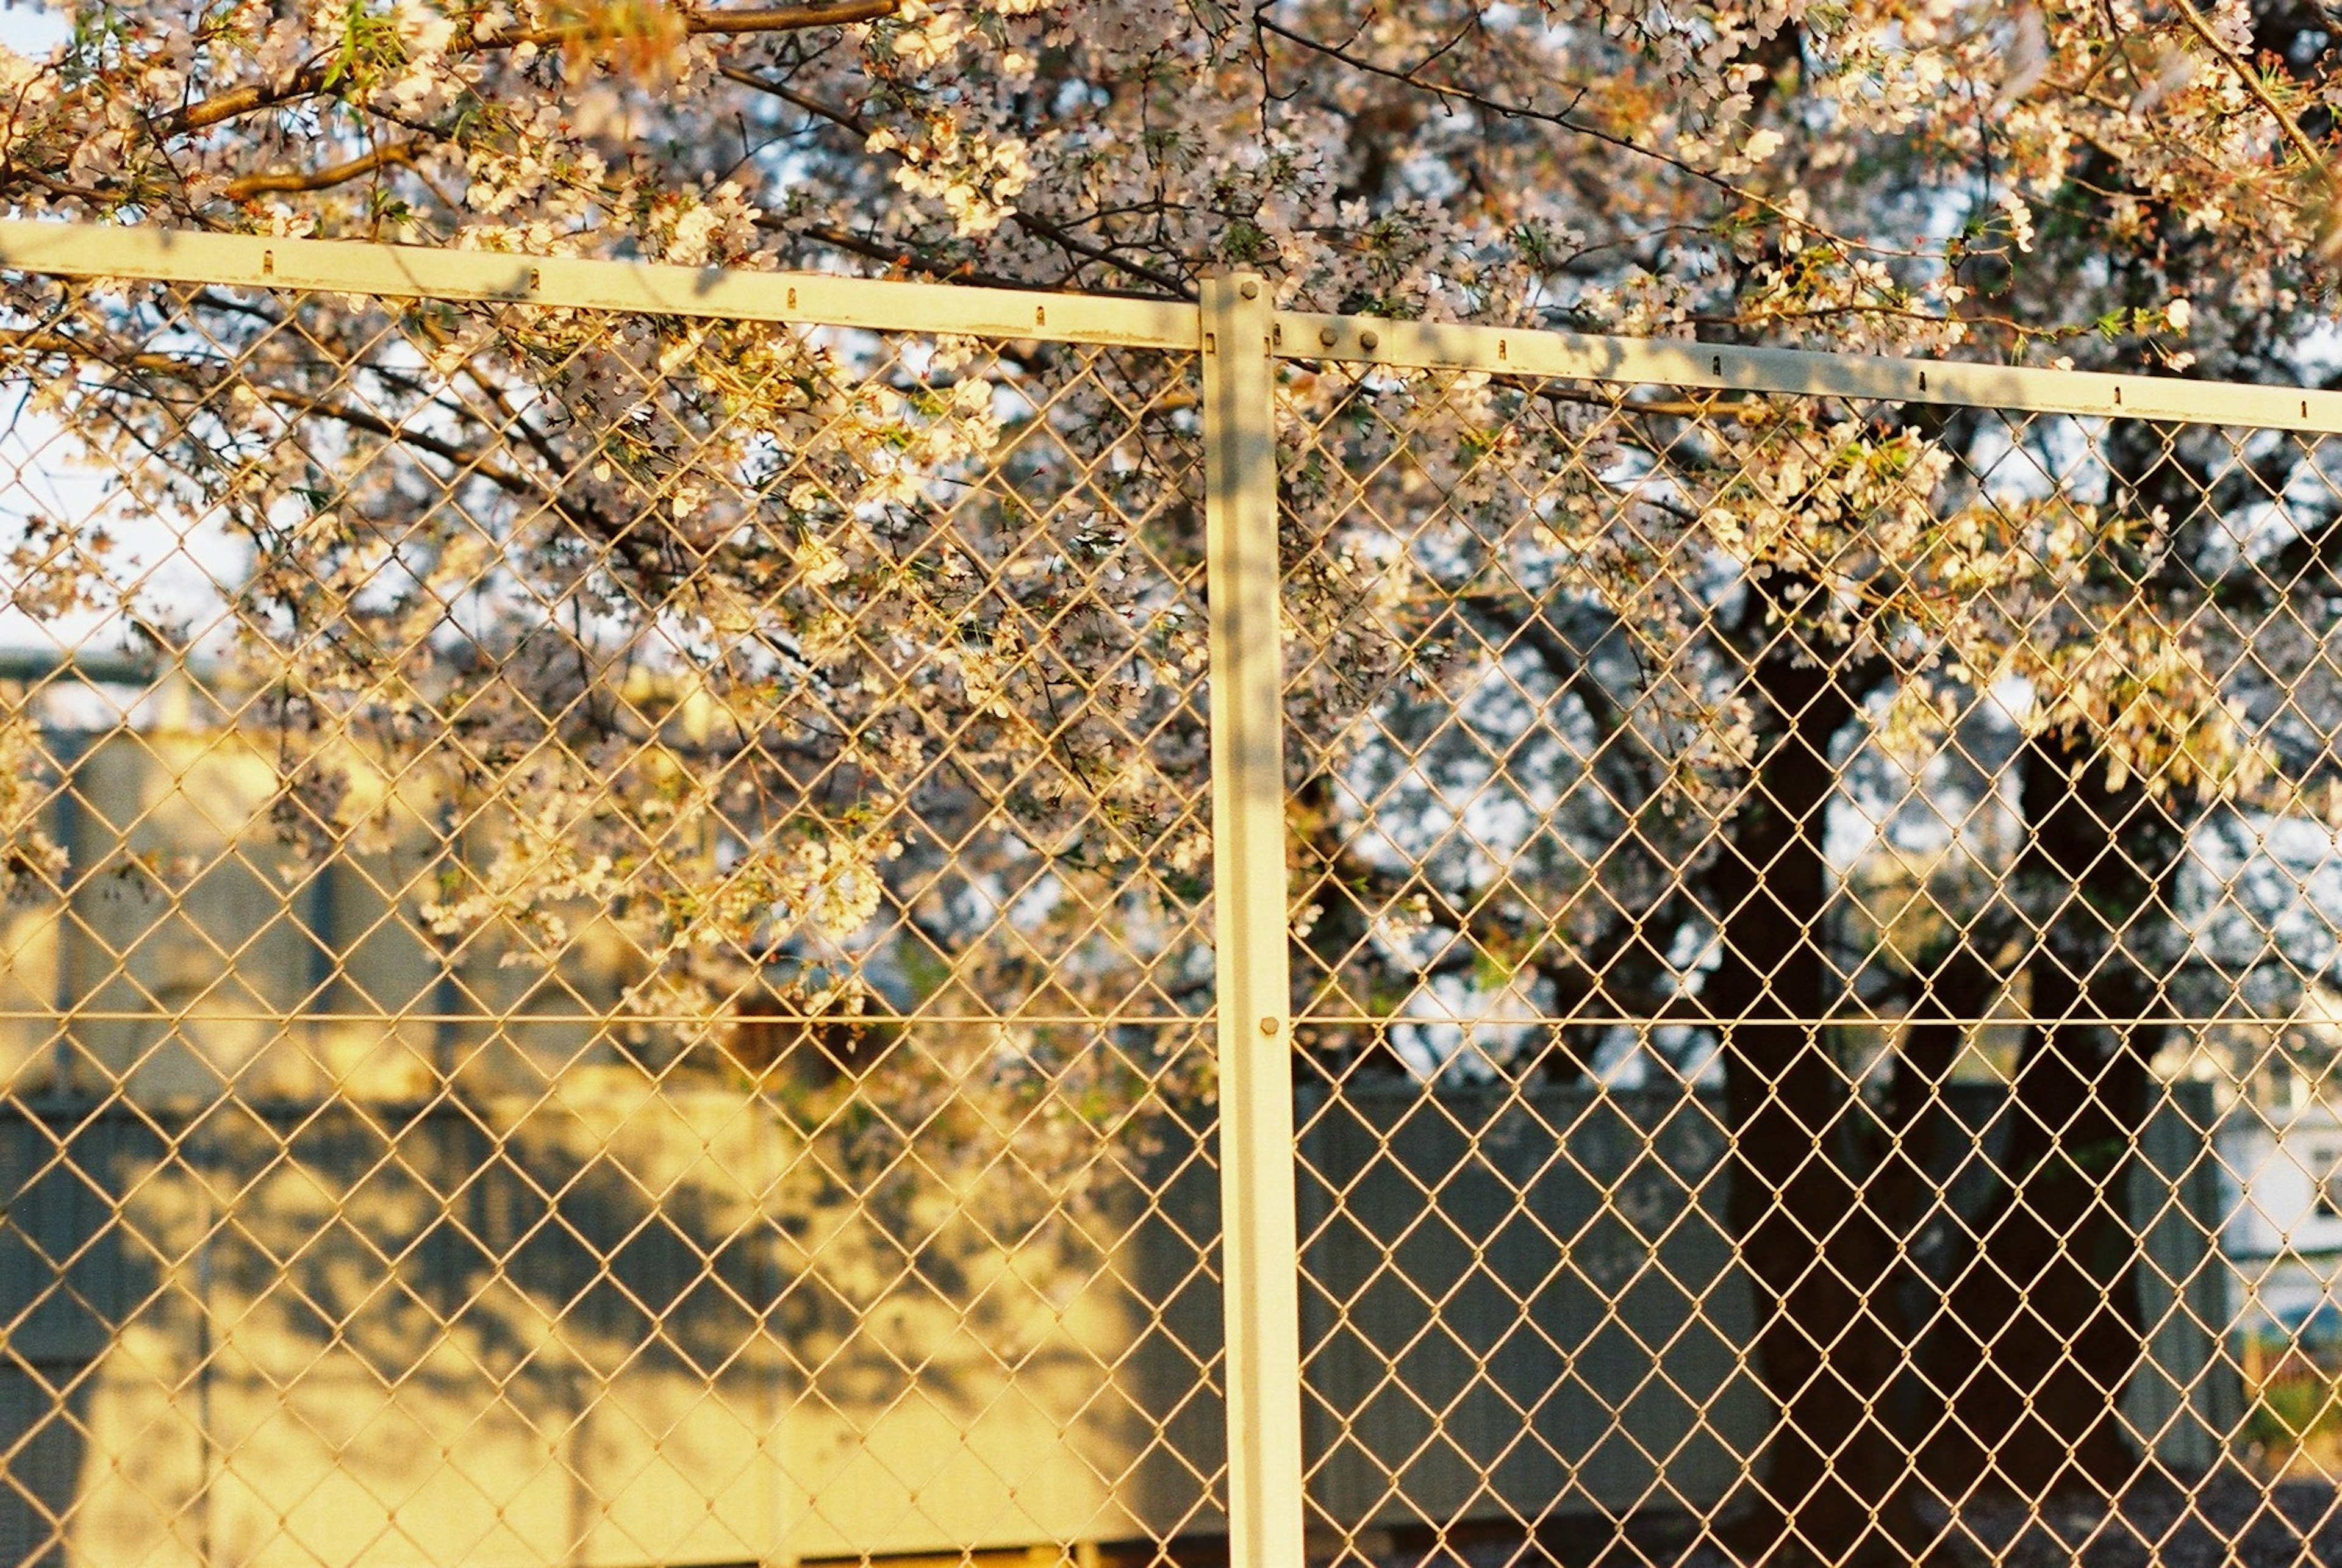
661,917
1770,994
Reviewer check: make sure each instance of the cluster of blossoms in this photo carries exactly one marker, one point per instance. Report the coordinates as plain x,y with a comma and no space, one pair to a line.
1708,170
842,693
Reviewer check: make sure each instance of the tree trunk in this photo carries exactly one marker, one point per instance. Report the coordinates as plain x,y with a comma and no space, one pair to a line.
1818,1258
2039,1331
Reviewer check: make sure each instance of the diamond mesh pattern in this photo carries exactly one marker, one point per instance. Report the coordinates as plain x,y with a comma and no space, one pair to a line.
604,959
1814,939
607,958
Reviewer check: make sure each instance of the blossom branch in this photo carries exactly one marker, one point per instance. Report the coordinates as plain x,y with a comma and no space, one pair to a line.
2287,125
294,181
742,22
1031,222
1564,121
318,75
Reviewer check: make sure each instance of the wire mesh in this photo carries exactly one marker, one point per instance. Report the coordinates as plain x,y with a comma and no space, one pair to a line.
1814,924
603,961
610,949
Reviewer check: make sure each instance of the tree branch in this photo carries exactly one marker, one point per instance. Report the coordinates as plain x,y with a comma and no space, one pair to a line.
2287,125
292,180
899,255
314,78
742,22
1564,120
1039,227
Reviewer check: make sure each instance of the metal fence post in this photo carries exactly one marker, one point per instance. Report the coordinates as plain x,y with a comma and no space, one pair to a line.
1260,1261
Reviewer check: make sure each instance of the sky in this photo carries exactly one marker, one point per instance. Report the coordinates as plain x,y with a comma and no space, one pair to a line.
29,28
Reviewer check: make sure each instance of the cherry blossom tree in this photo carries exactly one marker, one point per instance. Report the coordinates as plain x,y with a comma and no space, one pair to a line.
2136,185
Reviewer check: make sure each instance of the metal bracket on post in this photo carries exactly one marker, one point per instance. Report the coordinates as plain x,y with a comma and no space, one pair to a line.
1260,1262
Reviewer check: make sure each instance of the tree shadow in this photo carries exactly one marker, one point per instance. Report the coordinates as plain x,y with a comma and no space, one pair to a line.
623,1327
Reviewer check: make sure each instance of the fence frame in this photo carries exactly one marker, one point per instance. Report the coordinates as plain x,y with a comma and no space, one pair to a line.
1260,1247
1241,336
96,250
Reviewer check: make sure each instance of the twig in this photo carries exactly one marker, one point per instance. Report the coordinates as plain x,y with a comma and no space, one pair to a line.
315,76
288,179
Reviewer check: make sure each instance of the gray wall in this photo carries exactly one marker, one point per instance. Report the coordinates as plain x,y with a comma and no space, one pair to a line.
291,1273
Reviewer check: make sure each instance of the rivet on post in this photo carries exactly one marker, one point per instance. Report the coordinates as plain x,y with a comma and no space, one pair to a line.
1249,289
1268,1025
1368,341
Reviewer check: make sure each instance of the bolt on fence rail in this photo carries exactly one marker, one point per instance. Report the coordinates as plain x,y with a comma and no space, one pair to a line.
665,916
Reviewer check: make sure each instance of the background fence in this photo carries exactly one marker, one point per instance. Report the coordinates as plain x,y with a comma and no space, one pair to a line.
673,917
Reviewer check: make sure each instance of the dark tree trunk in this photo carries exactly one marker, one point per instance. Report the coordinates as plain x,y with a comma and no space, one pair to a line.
1915,1146
1818,1259
2039,1331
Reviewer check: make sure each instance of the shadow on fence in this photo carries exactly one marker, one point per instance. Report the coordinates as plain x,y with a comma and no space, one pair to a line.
630,1327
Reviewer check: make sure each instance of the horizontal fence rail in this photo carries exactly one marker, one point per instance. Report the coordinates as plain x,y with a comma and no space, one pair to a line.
662,915
407,272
